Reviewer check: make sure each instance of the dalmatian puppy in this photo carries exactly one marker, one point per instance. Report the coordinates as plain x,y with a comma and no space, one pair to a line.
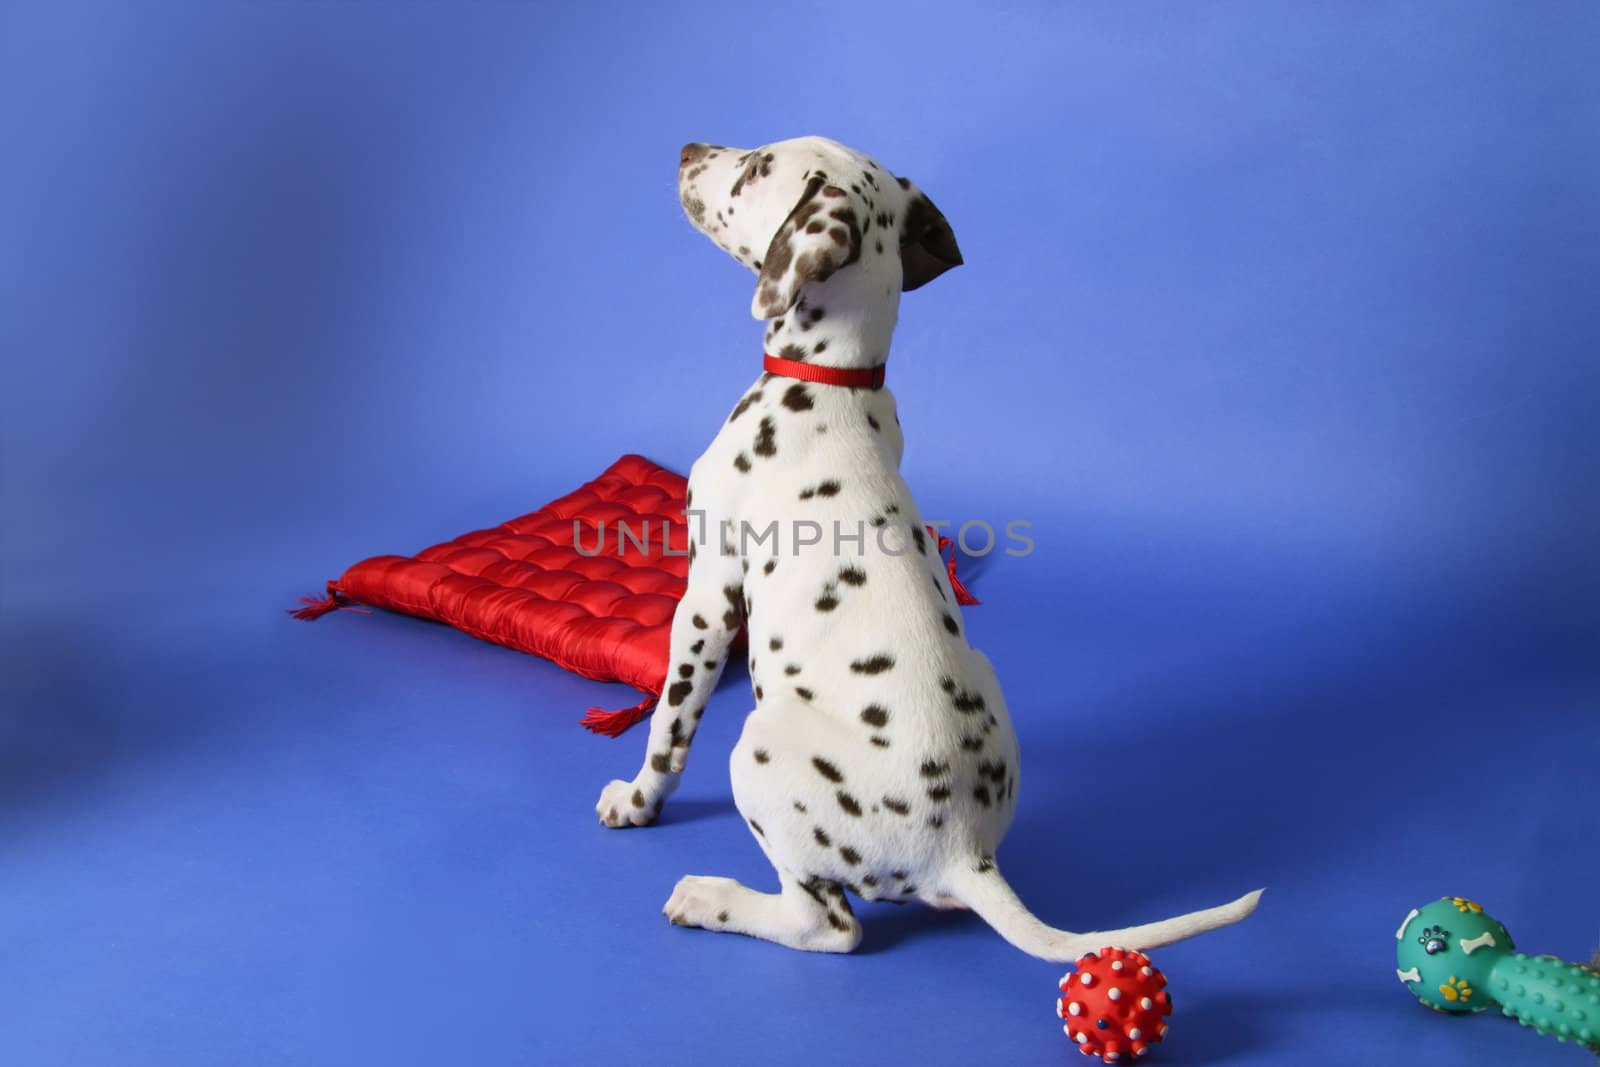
879,758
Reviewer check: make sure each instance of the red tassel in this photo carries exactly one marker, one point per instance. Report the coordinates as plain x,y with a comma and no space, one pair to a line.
316,607
963,597
614,723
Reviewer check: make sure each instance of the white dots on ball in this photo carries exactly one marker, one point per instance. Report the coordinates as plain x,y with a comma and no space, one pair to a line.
1116,965
1146,1003
1086,978
1115,994
1145,971
1080,1037
1163,1030
1074,1008
1135,1034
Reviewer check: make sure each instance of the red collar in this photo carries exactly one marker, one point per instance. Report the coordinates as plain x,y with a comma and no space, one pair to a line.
850,377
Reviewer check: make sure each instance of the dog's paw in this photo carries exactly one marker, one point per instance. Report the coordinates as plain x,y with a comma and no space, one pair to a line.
626,804
699,900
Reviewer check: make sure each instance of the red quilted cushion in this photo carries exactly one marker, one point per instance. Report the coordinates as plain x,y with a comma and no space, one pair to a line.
605,613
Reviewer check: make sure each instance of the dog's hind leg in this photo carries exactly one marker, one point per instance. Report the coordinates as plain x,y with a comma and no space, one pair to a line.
808,914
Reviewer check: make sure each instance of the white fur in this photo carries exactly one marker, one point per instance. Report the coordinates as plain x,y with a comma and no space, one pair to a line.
880,756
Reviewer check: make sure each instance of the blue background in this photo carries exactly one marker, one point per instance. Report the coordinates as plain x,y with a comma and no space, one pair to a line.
1279,323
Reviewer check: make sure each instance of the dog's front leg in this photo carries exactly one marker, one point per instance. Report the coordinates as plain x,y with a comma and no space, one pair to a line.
703,627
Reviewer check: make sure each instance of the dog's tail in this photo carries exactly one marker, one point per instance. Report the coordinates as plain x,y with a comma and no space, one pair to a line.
983,890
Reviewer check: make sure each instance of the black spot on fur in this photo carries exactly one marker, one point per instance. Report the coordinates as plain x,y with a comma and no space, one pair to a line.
759,694
850,855
827,602
742,463
722,916
899,807
932,769
826,769
853,576
874,715
761,755
678,691
968,703
921,539
849,804
796,398
822,836
981,795
803,693
766,442
660,764
697,646
699,622
873,664
951,625
939,793
757,828
638,798
792,669
685,670
985,864
828,488
881,742
873,422
744,405
994,770
776,644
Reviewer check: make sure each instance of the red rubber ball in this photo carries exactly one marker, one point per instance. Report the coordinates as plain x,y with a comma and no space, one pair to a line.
1114,1005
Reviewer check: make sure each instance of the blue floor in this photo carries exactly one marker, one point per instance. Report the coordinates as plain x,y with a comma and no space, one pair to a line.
1277,322
235,838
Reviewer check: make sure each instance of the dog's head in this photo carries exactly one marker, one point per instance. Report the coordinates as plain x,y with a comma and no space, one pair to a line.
797,212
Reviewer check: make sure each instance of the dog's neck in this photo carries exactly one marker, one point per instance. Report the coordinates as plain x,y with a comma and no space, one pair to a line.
846,321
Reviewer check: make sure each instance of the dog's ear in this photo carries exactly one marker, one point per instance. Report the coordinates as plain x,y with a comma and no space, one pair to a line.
927,244
821,235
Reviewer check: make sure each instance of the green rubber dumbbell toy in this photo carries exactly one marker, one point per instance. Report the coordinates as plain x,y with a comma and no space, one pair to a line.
1454,958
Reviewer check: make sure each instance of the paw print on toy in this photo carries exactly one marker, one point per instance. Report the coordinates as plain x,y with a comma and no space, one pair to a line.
1456,990
1434,940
